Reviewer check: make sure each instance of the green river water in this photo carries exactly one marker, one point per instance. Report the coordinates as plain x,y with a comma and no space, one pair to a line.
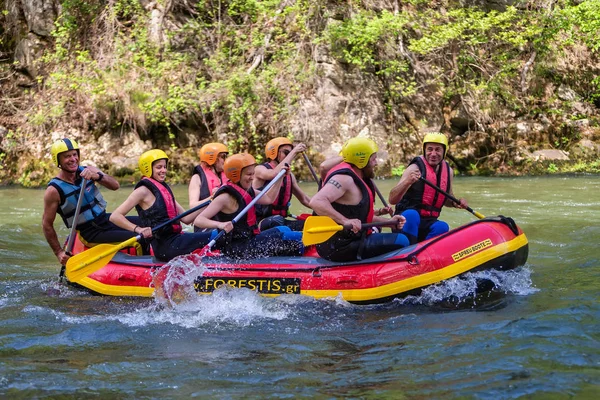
541,340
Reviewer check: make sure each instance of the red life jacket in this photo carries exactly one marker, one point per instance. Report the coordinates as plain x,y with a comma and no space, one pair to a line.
422,197
210,180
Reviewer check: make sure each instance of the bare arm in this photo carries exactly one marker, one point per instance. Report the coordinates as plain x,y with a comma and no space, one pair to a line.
408,178
94,174
139,196
271,195
51,203
263,174
335,189
300,195
326,165
194,195
223,202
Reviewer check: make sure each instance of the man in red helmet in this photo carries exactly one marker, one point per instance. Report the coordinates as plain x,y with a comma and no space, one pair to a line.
412,194
279,151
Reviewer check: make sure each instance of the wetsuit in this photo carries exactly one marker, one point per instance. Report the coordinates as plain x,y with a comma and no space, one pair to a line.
275,214
346,245
245,241
427,201
93,222
168,242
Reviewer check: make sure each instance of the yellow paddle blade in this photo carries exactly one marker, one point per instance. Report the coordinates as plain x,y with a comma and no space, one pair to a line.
318,229
83,264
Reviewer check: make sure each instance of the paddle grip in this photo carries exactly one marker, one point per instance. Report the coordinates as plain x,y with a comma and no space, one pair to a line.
448,195
248,207
183,214
71,241
385,204
310,167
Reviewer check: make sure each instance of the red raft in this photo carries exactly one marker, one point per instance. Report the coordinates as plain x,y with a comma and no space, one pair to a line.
490,243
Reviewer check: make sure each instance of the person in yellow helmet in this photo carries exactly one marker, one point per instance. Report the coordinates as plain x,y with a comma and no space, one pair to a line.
279,151
411,194
208,176
155,203
348,196
62,195
244,240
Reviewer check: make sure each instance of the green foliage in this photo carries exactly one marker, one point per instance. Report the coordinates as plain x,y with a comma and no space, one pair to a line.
239,67
398,171
552,168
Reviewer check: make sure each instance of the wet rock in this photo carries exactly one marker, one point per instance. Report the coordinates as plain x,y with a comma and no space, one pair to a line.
551,154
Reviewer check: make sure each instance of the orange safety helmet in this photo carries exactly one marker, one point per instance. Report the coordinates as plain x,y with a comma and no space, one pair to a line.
438,138
210,152
235,164
272,147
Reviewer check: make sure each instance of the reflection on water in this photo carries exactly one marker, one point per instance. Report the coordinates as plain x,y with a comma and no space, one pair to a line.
532,334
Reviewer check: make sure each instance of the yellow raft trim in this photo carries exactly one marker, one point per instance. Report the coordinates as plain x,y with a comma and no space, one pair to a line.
115,290
351,295
452,270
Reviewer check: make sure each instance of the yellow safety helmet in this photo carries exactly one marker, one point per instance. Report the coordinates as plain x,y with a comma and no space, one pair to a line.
210,152
235,164
439,138
358,150
62,145
147,159
272,147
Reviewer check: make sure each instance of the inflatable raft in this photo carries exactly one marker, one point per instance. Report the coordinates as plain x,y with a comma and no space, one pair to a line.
490,243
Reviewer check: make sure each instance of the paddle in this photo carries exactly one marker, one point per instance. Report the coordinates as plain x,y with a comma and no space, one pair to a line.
310,167
71,241
210,244
318,229
454,199
91,260
385,204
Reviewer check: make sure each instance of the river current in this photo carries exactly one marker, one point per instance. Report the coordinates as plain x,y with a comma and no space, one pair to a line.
538,338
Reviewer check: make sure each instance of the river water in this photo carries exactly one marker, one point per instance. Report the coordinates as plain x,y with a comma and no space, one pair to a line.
539,338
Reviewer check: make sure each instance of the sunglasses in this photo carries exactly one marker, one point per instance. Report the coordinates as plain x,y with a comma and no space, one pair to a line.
286,152
223,156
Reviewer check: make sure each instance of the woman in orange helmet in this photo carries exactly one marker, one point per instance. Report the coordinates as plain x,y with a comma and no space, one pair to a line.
207,176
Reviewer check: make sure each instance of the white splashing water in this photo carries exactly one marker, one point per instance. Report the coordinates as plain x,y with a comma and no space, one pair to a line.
517,281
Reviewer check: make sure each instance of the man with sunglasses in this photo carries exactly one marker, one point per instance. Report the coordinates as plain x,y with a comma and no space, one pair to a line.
279,151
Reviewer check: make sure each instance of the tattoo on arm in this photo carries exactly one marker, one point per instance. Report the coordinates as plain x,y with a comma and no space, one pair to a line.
334,183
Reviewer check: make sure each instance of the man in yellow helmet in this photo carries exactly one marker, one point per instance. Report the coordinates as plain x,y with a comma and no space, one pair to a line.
62,195
347,197
279,151
412,194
